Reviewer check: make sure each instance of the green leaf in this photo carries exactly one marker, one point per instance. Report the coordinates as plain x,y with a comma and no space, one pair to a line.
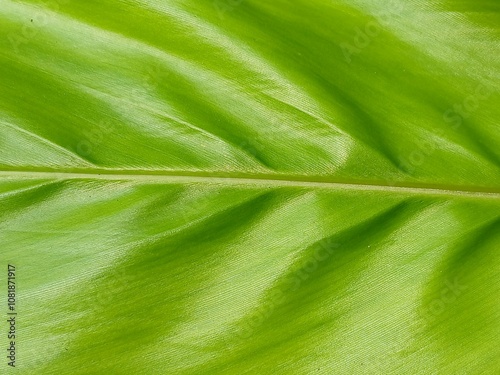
250,187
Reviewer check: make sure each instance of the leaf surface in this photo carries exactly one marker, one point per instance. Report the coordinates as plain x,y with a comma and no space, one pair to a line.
235,187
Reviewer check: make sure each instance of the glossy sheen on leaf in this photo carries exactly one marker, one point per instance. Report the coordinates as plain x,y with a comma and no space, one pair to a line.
250,186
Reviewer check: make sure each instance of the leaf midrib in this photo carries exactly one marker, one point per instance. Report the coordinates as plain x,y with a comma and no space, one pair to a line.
234,178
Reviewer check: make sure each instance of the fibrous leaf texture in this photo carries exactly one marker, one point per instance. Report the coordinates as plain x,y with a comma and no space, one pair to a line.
251,186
